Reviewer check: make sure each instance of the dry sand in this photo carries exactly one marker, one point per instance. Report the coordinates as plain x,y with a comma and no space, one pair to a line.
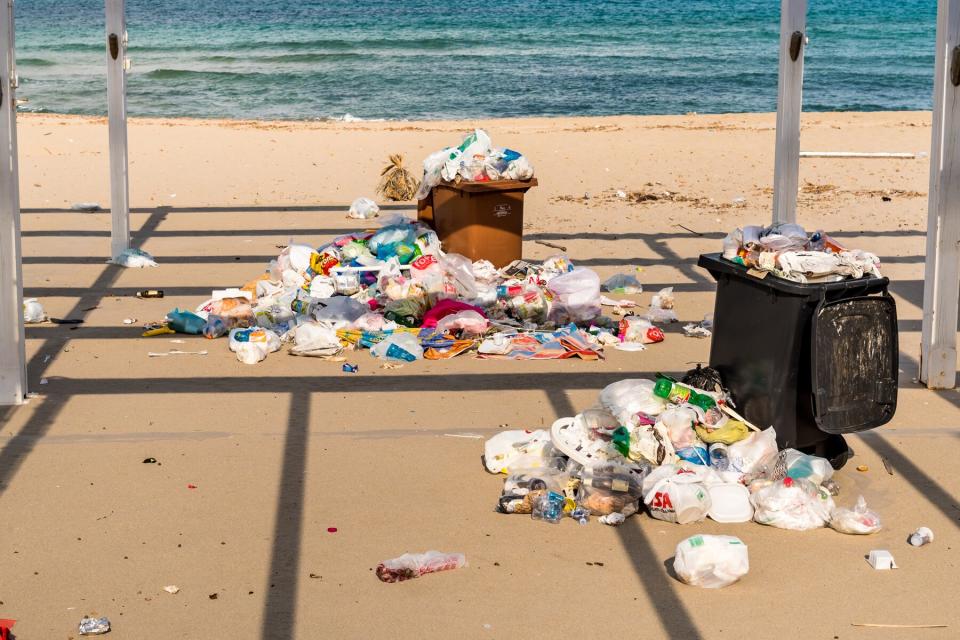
283,450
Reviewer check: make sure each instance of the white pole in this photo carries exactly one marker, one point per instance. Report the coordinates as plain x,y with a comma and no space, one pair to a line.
786,168
117,112
941,284
13,362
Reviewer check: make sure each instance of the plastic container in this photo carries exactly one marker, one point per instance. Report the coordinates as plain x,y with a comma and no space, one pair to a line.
480,220
813,360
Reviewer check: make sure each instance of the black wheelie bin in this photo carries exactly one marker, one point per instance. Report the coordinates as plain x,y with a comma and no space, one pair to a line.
815,361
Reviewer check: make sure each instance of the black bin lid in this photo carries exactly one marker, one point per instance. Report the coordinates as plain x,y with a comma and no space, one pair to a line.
855,362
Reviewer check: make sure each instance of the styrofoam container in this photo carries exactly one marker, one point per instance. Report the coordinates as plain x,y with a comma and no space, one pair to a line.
730,502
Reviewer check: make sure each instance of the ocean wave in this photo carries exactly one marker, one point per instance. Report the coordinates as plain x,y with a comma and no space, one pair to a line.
35,62
179,74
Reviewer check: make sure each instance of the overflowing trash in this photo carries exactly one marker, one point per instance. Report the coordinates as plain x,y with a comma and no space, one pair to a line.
474,160
395,292
788,251
413,565
676,449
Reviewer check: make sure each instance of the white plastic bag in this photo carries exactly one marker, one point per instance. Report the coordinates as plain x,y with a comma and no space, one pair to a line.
626,398
363,208
677,494
398,347
747,455
315,339
859,520
791,504
509,451
577,296
134,259
711,561
469,321
33,311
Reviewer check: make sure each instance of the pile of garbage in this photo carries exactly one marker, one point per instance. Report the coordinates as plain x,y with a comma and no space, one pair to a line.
474,160
395,292
788,251
677,449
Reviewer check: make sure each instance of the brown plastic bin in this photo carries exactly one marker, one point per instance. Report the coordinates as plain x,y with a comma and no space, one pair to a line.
481,220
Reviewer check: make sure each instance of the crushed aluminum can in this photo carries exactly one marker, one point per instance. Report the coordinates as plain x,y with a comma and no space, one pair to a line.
94,626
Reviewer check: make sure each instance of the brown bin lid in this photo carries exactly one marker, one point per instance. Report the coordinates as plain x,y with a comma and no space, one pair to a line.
493,185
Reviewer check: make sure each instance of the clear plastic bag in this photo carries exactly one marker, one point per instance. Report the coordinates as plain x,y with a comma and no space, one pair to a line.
414,565
626,398
858,521
577,296
749,454
33,311
363,208
711,561
622,283
791,504
398,347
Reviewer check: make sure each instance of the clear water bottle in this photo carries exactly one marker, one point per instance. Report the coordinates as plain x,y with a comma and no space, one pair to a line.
719,457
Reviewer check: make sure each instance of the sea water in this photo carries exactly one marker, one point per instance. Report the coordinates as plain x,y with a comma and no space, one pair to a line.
416,59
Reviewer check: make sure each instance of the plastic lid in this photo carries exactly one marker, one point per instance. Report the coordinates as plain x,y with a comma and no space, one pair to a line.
730,502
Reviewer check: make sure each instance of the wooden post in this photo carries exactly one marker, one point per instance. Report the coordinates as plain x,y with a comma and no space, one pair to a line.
13,362
786,168
117,112
941,284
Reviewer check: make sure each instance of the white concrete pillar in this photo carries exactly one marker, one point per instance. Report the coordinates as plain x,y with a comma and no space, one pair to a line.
786,168
117,111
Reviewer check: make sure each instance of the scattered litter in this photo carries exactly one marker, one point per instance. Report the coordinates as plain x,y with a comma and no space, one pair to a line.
887,466
33,311
94,626
391,365
213,596
711,561
176,352
149,461
129,321
150,293
623,304
134,259
881,560
409,565
863,468
172,588
86,207
331,529
921,536
613,519
191,486
703,329
551,245
350,368
858,520
66,321
472,436
43,381
622,284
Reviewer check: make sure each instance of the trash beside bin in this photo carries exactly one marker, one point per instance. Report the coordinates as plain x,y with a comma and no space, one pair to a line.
815,361
481,220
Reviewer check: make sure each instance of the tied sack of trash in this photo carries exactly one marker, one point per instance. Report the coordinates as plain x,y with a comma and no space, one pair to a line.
791,504
413,565
859,520
363,209
253,345
710,561
134,259
678,494
577,296
396,183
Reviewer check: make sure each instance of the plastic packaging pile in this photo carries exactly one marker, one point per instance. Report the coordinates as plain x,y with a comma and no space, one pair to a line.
395,292
677,449
787,251
475,160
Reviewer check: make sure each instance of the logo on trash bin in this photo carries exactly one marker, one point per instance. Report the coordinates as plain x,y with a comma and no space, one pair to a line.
502,210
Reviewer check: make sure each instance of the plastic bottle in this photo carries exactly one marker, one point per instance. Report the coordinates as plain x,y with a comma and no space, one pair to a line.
719,457
680,394
150,293
548,507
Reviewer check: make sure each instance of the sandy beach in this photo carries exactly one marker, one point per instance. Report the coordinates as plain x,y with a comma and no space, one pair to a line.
282,451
